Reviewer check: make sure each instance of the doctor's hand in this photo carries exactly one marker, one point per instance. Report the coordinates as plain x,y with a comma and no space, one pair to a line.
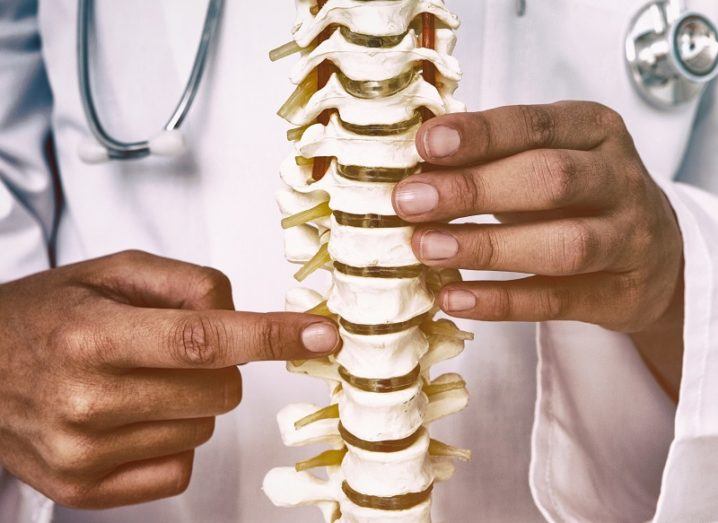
577,210
112,372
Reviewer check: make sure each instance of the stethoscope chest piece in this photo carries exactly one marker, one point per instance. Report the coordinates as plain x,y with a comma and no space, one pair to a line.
671,55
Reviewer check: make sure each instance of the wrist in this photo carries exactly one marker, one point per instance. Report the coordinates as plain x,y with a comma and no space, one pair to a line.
660,344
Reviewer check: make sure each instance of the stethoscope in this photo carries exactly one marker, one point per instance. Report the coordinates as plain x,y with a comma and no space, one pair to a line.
169,141
671,54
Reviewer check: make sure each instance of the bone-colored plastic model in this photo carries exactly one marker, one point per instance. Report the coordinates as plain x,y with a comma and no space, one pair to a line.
369,73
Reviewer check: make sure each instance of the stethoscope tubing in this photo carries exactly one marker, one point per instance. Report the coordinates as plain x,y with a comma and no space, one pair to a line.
684,84
117,149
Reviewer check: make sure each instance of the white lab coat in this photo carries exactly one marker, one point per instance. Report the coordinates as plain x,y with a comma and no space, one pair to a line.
565,422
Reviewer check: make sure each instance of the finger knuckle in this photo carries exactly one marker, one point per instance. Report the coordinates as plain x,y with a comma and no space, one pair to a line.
601,169
131,257
198,340
100,350
69,455
481,129
496,304
71,337
486,248
81,341
636,186
204,430
213,282
182,475
466,191
609,119
554,303
539,125
577,248
557,173
182,482
232,390
270,341
642,242
643,234
72,495
82,406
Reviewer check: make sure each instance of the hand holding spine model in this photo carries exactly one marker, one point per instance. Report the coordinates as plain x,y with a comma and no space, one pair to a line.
369,73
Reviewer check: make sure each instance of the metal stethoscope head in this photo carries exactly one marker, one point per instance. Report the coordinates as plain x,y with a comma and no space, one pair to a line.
671,53
169,141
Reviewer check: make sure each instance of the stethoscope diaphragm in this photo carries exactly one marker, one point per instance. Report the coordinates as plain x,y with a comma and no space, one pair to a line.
671,53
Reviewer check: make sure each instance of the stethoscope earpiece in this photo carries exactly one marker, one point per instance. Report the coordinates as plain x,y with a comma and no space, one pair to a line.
671,54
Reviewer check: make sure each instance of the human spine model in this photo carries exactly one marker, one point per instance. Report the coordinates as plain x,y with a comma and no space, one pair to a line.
369,73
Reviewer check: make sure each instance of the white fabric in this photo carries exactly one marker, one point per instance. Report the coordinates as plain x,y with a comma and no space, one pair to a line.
689,491
26,196
602,426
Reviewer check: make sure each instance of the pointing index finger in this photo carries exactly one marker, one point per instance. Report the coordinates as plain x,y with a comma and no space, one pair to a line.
471,138
162,338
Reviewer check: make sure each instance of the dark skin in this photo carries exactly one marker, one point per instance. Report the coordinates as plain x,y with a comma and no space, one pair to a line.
578,211
115,369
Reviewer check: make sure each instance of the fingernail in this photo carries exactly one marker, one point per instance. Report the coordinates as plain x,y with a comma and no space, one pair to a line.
436,246
442,141
458,301
320,337
416,198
